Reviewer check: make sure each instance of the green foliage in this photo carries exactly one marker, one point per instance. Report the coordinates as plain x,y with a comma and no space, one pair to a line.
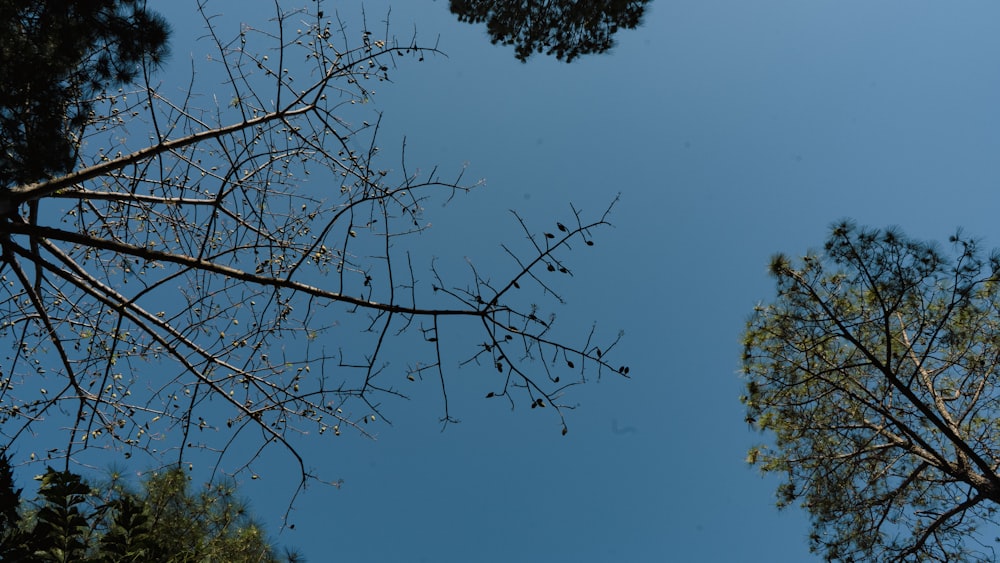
166,522
56,56
11,536
875,370
10,498
130,535
61,531
564,28
212,523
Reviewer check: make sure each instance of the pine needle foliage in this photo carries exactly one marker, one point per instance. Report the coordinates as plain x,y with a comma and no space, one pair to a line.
875,370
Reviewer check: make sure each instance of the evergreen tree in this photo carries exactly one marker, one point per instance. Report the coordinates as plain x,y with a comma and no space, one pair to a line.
56,57
877,371
165,521
564,28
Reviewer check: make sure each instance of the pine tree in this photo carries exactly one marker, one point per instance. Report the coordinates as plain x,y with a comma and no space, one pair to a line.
56,58
876,369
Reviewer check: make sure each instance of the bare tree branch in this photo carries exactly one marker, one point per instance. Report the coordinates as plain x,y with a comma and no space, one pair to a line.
165,273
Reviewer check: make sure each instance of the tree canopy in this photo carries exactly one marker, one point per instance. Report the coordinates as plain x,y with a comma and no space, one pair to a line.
56,57
876,370
564,28
72,521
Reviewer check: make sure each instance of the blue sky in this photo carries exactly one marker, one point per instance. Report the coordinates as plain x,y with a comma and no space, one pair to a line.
733,130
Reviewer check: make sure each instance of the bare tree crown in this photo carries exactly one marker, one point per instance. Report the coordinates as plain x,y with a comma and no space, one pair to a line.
186,285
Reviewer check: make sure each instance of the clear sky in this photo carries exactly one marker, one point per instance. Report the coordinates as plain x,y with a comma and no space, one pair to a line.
733,129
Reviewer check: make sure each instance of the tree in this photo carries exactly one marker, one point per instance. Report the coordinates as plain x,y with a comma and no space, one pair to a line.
56,56
73,522
147,293
564,28
876,370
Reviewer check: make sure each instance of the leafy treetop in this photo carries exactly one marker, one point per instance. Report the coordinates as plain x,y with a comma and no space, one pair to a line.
56,56
875,368
564,28
166,521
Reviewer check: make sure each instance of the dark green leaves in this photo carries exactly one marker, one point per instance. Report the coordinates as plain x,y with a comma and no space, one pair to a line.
564,28
165,522
56,58
61,528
